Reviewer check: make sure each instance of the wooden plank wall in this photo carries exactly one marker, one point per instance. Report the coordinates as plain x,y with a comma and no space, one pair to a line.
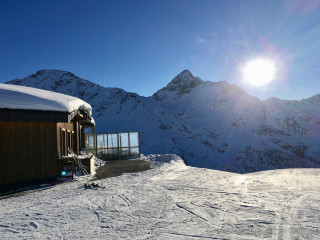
28,151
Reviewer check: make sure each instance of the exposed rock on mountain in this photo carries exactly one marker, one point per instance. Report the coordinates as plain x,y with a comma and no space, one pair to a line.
181,85
209,124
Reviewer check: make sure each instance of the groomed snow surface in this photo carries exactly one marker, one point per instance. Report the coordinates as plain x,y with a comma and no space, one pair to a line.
171,201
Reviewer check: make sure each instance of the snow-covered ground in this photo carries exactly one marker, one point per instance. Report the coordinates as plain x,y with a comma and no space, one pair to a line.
171,201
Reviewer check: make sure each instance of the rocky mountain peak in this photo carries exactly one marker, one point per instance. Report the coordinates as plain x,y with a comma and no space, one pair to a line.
54,79
313,99
52,73
185,74
182,84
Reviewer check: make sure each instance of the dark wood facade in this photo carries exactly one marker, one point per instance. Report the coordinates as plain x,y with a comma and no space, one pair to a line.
33,143
28,152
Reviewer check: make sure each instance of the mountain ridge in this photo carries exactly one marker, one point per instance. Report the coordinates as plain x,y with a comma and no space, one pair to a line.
209,124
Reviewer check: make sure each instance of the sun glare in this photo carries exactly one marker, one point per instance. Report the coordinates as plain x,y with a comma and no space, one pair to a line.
259,72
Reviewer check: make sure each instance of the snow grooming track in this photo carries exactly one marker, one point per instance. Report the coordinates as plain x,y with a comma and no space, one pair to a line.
171,201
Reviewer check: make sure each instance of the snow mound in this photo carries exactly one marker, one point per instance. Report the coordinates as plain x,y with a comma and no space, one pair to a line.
20,97
159,159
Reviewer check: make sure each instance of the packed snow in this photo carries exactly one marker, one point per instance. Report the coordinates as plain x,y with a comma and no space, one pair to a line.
171,201
20,97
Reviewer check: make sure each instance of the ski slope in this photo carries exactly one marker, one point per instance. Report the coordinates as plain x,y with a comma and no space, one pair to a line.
171,201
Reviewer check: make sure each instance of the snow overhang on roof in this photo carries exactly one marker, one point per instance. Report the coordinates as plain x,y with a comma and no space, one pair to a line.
13,97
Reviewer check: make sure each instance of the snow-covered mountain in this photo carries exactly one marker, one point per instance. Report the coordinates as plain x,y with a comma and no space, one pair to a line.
209,124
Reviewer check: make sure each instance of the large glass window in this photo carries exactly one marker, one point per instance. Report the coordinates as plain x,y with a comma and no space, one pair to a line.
113,140
90,141
134,139
114,145
70,135
88,130
63,142
124,140
100,141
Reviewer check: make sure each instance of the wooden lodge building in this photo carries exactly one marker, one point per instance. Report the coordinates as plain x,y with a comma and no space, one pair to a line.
36,129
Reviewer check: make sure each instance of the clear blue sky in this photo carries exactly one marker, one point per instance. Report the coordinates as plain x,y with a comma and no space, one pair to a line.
141,45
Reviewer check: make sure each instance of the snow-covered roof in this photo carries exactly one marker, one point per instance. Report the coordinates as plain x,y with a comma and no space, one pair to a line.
27,98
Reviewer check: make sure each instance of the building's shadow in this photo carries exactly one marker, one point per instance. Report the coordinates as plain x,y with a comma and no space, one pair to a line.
118,167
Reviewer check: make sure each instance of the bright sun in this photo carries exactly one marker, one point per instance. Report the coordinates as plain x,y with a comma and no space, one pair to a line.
259,72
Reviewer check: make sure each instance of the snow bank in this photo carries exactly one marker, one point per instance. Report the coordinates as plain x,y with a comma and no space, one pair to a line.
19,97
160,159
